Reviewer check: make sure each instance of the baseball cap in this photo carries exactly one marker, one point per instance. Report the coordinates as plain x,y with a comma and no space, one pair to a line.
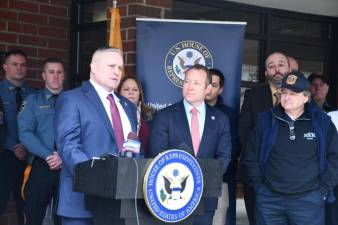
296,82
314,76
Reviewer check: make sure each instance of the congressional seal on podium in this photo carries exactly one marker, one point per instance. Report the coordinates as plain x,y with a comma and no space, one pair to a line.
173,185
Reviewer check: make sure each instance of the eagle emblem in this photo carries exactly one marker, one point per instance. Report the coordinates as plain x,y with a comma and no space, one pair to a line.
175,185
182,56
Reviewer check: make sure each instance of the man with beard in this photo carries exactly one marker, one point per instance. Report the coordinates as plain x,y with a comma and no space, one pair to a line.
257,100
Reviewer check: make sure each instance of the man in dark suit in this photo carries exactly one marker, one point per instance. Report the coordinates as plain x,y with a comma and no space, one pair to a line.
257,100
88,123
226,215
195,126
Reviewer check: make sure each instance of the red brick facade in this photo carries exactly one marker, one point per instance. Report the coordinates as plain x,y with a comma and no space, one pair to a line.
39,27
130,10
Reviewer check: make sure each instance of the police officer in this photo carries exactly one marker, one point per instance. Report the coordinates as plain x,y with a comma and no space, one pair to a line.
36,134
13,89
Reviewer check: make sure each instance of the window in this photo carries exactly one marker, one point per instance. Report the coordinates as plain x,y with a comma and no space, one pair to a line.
250,67
92,12
208,11
88,32
299,28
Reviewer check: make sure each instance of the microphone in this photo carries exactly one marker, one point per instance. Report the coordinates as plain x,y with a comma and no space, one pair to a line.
131,146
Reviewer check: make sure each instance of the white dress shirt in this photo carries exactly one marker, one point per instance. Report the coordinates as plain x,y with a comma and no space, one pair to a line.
201,109
334,118
106,103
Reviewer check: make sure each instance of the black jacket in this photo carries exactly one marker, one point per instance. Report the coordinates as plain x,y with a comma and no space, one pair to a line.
2,124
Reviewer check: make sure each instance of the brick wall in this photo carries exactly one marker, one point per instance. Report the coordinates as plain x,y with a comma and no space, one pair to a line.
130,10
39,27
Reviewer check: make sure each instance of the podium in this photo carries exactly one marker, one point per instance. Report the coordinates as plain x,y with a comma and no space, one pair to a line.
113,189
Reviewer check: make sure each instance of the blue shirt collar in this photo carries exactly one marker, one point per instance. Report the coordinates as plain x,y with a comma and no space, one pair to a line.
188,107
12,87
48,94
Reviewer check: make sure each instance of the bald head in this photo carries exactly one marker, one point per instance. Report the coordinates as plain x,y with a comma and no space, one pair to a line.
280,56
100,51
106,68
293,63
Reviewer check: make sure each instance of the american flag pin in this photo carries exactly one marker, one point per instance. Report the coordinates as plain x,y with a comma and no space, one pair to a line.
213,118
125,104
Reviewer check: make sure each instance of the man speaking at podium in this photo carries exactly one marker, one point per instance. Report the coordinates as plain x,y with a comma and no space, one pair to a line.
90,121
195,127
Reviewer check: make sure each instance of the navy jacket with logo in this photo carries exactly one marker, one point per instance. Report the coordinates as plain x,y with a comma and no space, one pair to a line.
263,138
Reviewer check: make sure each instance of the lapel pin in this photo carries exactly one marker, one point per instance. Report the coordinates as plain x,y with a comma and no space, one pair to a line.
213,117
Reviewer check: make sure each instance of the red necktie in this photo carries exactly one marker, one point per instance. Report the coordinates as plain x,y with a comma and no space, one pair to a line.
116,120
195,133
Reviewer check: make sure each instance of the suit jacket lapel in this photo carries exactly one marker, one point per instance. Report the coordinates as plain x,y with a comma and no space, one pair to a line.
94,98
126,106
269,102
209,126
183,127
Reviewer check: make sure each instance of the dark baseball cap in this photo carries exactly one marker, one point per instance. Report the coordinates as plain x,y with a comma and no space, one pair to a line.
296,82
314,76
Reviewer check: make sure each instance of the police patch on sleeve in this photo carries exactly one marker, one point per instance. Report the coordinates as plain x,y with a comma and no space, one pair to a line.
173,186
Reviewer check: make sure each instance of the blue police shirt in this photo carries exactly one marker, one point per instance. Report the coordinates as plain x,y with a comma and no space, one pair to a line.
35,121
7,94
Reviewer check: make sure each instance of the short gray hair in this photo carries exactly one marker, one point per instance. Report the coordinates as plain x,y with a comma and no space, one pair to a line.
307,94
106,49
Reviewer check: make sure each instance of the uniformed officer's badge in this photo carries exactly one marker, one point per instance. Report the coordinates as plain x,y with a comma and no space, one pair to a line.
173,185
183,55
291,80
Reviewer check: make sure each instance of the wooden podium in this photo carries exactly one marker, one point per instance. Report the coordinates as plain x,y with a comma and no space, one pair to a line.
110,183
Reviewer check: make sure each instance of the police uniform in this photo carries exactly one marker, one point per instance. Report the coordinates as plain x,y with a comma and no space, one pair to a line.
11,168
36,134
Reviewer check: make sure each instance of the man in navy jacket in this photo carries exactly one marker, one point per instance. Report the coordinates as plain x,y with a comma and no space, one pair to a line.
291,158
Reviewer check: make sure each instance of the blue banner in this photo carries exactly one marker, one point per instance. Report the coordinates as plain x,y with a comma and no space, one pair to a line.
166,48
